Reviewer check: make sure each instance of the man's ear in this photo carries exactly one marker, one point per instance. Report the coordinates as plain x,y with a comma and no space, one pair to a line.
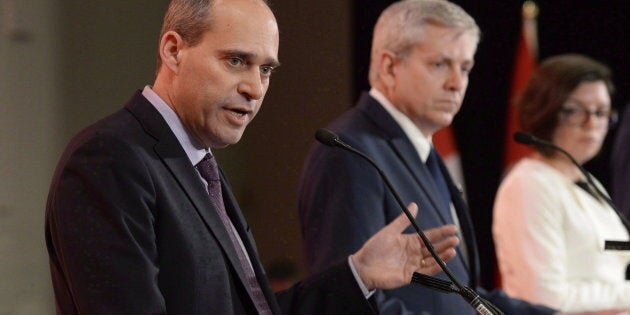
387,68
171,50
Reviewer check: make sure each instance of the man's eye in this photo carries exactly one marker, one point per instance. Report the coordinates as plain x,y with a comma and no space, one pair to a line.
266,70
235,61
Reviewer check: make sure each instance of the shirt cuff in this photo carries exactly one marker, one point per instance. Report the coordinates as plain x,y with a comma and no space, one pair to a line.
367,293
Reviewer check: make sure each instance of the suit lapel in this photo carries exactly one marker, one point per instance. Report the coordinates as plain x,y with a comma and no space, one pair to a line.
406,152
173,156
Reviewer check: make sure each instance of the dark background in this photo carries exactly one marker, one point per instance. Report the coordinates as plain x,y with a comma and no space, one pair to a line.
595,28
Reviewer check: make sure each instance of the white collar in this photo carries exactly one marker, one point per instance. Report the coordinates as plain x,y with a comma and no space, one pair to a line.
422,143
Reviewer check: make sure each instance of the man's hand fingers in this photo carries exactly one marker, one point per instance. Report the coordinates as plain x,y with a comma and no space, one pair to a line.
438,233
431,267
444,241
442,246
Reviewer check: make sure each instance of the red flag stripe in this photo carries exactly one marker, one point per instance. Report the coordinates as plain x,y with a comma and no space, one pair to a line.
524,65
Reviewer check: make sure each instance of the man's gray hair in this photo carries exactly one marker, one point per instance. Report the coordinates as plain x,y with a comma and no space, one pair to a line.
400,27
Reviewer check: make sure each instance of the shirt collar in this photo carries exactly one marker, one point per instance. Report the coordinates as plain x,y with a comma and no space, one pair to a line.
194,153
421,143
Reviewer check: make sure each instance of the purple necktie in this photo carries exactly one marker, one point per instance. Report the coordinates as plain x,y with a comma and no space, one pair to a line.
209,170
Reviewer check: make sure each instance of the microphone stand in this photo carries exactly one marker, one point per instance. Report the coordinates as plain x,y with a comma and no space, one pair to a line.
529,139
329,138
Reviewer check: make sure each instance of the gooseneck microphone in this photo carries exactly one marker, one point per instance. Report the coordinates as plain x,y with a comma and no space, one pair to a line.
482,306
529,139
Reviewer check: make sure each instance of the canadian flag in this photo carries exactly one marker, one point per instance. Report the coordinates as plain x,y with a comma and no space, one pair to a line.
524,65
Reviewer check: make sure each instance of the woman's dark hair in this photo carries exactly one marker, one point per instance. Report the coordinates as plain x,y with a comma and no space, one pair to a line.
549,87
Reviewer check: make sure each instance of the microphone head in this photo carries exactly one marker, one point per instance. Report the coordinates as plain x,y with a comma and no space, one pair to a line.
326,137
524,138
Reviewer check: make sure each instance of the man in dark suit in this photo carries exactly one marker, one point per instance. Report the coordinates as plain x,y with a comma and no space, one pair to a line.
141,221
422,53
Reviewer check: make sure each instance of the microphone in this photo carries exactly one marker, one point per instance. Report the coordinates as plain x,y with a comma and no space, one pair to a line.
529,139
327,137
434,283
445,287
482,307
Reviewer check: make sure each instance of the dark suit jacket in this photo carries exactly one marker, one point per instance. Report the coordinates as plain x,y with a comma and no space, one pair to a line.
343,201
130,229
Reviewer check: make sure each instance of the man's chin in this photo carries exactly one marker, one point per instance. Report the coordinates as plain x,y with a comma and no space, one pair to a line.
445,121
222,141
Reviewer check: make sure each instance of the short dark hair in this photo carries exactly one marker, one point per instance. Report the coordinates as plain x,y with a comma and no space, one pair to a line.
190,19
549,87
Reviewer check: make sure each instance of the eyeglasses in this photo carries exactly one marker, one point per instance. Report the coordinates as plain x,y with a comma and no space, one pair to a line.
578,116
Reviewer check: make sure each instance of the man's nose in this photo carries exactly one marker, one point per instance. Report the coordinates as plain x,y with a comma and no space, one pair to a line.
252,85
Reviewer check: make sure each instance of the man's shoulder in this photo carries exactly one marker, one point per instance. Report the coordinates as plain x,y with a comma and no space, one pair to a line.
127,120
353,124
119,129
118,125
364,123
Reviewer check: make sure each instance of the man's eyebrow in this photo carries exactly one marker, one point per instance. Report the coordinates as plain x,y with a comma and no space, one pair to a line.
249,56
273,63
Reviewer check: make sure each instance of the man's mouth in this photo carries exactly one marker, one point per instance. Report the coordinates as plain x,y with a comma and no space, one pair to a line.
237,112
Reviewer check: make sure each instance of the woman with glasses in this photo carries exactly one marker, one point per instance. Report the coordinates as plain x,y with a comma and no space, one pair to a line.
550,222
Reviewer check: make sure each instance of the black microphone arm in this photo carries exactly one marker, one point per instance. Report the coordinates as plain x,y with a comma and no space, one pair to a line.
482,307
529,139
445,287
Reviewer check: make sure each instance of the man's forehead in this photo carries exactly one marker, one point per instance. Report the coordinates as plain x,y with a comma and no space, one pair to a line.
460,46
459,55
246,28
243,10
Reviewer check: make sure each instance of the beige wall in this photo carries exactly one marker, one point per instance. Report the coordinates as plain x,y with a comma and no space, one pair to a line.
83,59
29,144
